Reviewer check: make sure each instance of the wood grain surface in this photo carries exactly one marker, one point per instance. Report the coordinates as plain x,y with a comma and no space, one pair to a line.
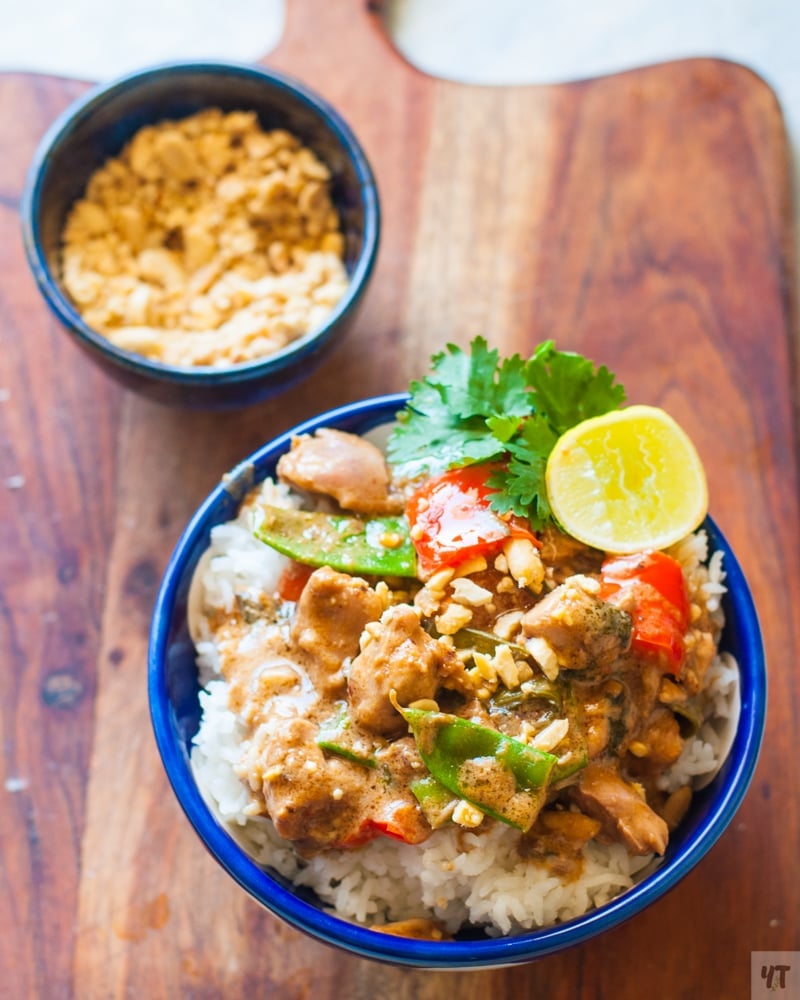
643,219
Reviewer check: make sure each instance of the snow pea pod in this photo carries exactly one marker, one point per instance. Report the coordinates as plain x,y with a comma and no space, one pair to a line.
336,735
436,801
571,751
378,546
503,777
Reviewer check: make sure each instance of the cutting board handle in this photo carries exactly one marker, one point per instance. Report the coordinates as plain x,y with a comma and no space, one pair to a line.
343,37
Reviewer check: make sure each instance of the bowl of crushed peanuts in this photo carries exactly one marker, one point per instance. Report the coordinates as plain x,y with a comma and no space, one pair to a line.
204,230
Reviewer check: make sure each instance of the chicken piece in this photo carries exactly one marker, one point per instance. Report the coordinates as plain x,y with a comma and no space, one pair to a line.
321,801
403,658
343,466
315,801
330,617
582,630
602,793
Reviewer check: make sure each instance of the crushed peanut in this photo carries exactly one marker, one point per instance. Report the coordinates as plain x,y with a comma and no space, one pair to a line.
428,600
466,591
453,618
383,592
506,667
507,624
207,241
467,815
524,670
545,656
477,564
671,693
549,737
274,679
484,665
524,563
371,631
440,580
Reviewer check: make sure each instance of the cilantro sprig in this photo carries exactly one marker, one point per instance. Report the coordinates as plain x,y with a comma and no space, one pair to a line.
476,407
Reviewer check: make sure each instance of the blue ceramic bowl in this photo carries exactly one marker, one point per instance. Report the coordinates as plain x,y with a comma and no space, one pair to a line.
175,715
101,122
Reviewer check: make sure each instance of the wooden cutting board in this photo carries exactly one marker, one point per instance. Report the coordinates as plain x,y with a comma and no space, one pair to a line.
643,219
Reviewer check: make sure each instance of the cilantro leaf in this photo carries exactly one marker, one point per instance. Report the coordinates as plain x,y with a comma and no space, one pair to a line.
475,384
446,422
521,486
503,427
569,389
429,436
462,378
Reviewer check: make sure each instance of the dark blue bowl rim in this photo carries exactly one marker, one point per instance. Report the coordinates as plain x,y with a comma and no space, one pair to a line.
80,110
406,951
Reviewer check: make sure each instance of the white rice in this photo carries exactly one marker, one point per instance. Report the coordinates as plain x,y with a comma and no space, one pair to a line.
456,876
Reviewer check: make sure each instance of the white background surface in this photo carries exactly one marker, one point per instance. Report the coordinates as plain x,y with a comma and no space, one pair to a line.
502,41
480,41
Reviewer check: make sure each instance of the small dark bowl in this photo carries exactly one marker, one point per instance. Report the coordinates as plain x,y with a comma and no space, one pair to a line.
100,123
175,714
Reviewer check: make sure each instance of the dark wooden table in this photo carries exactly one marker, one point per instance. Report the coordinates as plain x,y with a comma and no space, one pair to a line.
643,219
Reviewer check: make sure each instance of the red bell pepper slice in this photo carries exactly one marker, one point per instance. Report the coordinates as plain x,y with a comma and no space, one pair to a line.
399,821
653,583
292,580
452,521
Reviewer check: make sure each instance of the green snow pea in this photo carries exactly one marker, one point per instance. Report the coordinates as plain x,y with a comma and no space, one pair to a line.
435,801
336,735
572,752
503,777
379,546
558,694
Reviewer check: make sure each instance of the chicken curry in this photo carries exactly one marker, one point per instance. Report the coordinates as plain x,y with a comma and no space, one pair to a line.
427,661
